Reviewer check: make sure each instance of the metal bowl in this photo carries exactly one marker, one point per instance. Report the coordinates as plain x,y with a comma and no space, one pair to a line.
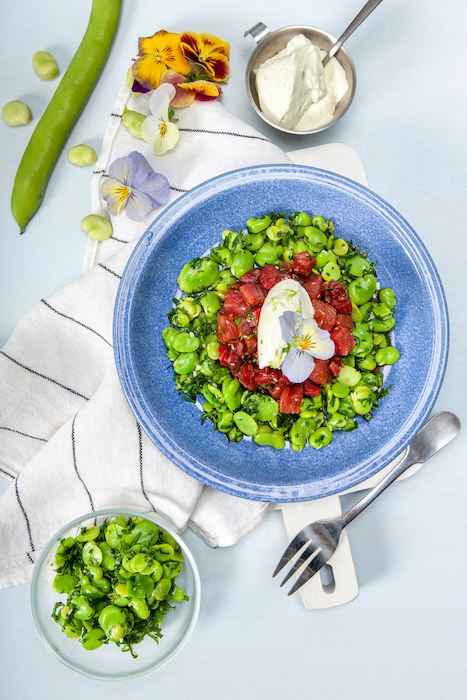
270,43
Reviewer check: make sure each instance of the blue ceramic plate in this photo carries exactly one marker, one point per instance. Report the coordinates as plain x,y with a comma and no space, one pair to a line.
189,228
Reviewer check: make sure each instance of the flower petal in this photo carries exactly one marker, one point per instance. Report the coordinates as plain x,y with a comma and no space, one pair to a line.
156,54
141,164
288,321
115,194
158,104
297,365
156,186
204,90
182,98
123,169
165,142
208,51
150,128
138,205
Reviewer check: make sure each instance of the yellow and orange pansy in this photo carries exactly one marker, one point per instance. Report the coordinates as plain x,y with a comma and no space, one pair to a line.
208,51
186,92
156,54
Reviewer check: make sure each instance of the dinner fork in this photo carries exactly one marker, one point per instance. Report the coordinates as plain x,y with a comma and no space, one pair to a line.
322,537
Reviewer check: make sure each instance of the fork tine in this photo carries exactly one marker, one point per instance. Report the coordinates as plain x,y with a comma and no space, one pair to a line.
294,547
313,567
311,550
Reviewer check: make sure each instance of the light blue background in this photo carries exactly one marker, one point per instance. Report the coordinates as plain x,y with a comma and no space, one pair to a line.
405,635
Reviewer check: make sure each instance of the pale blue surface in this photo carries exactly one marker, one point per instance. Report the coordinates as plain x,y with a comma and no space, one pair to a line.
404,636
149,283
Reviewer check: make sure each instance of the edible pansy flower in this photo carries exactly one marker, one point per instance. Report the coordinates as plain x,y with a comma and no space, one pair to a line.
186,92
158,129
209,51
134,188
156,54
306,341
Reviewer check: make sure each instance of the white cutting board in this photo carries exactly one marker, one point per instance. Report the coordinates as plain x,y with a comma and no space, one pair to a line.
338,583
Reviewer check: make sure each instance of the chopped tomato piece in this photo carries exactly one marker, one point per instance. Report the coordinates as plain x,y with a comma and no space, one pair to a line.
314,286
253,316
246,376
325,314
343,340
252,293
303,263
310,389
320,374
336,295
230,354
344,321
291,398
227,329
250,276
275,391
234,303
250,343
272,274
335,365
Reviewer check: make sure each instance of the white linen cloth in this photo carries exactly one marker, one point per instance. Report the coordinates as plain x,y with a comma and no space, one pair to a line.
68,440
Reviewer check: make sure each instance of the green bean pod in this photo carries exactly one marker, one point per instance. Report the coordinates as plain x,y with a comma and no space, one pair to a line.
62,111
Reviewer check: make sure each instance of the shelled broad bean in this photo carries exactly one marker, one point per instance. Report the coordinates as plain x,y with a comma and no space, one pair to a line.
120,582
192,343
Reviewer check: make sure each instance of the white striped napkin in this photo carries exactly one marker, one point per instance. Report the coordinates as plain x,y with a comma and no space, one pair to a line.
69,442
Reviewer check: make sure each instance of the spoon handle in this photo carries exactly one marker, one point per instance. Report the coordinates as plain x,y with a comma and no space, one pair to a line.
362,15
434,435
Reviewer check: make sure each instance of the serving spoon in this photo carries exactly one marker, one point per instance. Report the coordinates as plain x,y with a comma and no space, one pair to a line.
362,15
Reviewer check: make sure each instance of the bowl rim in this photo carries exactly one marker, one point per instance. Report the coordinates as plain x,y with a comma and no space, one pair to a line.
298,28
130,511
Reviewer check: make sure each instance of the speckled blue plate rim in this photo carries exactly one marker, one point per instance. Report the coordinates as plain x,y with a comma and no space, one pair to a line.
147,416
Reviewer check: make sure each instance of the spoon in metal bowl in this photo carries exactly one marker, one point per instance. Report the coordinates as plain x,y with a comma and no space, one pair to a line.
362,15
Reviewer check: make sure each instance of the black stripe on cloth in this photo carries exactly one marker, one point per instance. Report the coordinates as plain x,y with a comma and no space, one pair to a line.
70,318
73,448
140,442
226,133
4,471
43,376
177,189
98,172
119,116
109,270
28,525
30,558
118,240
33,437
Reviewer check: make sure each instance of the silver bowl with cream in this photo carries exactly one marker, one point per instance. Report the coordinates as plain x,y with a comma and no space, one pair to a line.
270,44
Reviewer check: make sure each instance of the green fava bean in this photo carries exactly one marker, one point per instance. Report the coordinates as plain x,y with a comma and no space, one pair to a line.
315,237
177,595
172,569
362,398
140,608
226,422
331,271
364,337
222,255
253,241
91,592
348,376
384,325
93,639
168,335
321,438
113,621
388,297
212,350
301,219
45,65
245,423
133,121
139,586
82,608
276,440
162,588
186,362
163,552
242,261
366,363
356,267
258,224
320,222
340,390
185,342
387,356
89,534
198,274
210,303
16,113
64,583
231,393
362,289
92,554
268,255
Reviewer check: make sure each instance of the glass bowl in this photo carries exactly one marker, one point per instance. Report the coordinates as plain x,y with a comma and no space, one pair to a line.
109,662
270,43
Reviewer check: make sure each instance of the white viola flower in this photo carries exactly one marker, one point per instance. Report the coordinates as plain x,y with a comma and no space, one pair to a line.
306,341
158,129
